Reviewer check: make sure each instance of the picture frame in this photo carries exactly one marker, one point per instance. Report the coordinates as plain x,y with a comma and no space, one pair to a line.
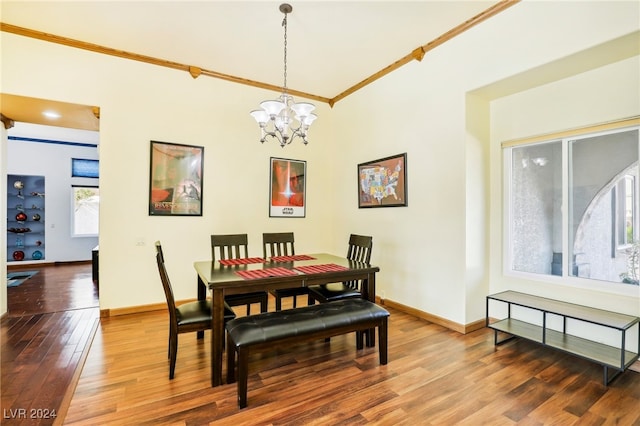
175,179
287,187
383,182
85,168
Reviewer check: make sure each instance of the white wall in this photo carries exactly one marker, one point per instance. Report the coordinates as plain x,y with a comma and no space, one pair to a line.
436,254
141,102
53,161
597,96
433,254
3,224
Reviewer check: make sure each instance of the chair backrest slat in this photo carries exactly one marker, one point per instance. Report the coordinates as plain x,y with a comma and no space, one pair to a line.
229,246
277,244
360,251
360,248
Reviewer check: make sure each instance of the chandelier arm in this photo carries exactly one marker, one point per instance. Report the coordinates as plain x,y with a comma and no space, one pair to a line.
275,135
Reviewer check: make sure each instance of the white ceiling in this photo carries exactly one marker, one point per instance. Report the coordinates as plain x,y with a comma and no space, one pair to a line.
332,45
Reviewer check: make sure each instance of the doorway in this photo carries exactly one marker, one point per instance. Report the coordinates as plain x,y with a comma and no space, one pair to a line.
43,139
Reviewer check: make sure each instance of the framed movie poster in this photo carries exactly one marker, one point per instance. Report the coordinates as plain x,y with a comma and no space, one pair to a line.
175,179
287,188
383,182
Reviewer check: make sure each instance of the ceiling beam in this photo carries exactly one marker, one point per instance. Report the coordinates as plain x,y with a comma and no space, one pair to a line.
8,122
195,72
418,53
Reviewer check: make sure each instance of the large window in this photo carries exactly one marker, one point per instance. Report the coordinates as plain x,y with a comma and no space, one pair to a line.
85,209
573,207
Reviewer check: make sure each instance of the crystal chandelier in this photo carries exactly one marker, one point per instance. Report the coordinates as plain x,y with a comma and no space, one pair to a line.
284,119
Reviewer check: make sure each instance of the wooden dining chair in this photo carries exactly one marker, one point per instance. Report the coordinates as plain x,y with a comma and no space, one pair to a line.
360,251
186,318
281,244
234,246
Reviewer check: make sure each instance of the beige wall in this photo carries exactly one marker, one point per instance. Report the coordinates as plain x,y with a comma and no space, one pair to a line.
3,223
437,256
140,103
597,96
434,255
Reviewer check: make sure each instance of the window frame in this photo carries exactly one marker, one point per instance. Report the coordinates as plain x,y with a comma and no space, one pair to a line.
72,217
565,138
619,216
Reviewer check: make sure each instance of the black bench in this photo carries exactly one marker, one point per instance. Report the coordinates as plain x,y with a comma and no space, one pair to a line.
263,331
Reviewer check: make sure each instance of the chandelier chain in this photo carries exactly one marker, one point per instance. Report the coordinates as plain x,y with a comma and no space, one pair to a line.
284,24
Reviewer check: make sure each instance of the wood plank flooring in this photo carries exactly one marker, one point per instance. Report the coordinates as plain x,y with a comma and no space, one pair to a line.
55,288
434,377
45,336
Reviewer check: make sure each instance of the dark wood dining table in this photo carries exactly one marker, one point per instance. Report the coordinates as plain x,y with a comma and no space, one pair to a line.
222,280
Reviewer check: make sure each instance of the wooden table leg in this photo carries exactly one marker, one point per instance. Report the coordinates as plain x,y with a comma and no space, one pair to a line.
202,289
371,296
202,295
217,333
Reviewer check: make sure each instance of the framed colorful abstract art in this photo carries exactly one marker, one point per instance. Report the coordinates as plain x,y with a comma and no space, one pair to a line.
287,188
383,182
175,181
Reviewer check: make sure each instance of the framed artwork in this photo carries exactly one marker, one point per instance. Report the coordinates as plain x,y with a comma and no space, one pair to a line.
383,182
81,167
175,179
287,188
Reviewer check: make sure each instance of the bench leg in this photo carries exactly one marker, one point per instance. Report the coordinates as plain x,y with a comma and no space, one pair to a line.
367,335
359,339
243,375
371,337
382,341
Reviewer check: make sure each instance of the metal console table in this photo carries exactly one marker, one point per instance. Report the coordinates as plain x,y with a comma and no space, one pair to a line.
618,357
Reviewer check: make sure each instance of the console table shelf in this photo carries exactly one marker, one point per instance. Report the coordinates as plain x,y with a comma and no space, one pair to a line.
616,357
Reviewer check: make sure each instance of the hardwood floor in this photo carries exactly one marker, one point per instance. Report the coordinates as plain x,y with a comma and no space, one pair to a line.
45,336
434,377
55,288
